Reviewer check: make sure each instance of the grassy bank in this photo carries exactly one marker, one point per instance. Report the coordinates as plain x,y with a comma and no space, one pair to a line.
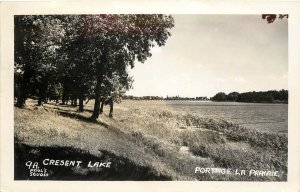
156,142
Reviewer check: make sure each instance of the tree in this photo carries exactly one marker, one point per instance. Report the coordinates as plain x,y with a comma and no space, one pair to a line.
233,96
272,17
221,96
36,41
79,56
76,73
132,36
115,89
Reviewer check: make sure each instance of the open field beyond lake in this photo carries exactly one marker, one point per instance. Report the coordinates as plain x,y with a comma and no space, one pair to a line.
145,141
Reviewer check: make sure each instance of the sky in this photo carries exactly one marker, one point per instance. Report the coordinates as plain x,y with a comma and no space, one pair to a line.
207,54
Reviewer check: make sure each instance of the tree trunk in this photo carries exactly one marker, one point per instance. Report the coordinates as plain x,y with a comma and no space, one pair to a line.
74,102
101,107
21,98
42,93
80,102
99,71
111,109
64,96
96,111
23,90
81,105
40,101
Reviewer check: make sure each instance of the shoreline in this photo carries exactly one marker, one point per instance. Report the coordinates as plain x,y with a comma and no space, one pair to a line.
204,101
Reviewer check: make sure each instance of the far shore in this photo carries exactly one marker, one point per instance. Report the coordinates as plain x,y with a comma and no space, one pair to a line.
275,102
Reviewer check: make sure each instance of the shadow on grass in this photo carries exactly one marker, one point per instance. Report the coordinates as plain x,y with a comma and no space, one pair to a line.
75,115
65,113
67,105
60,104
121,169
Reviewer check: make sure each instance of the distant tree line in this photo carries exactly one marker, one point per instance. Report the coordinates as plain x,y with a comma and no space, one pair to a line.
130,97
254,97
71,58
185,98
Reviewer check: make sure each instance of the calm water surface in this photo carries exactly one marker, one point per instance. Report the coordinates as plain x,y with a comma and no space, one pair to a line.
259,116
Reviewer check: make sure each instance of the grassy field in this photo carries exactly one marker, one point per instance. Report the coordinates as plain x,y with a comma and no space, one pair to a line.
144,142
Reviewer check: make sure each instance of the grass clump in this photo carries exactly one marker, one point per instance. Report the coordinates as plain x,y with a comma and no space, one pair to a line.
235,132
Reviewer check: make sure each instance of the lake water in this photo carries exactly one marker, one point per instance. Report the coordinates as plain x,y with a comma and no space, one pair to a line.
259,116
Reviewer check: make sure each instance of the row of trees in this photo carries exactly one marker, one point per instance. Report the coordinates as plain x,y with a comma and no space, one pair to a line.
253,97
131,97
185,98
74,57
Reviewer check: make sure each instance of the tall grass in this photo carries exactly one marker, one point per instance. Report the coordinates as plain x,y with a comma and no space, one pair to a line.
154,136
235,132
227,144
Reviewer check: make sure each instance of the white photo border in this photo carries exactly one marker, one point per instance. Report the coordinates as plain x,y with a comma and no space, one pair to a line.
9,9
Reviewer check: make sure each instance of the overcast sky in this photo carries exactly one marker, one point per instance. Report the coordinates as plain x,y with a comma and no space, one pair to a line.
207,54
